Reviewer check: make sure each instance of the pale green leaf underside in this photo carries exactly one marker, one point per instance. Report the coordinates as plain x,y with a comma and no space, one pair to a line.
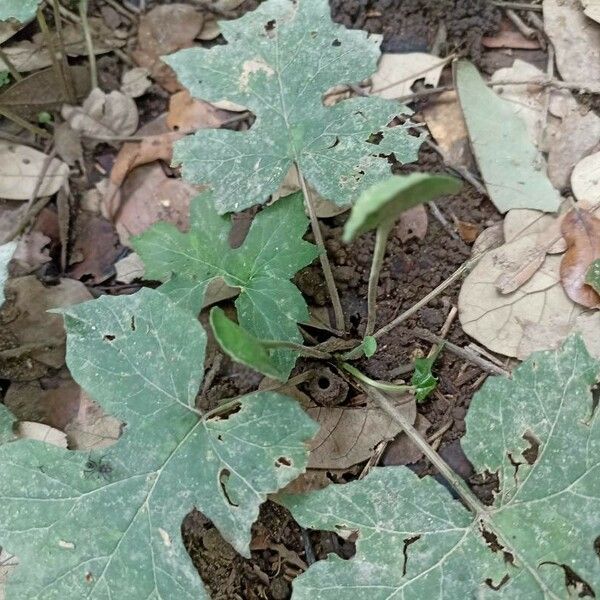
415,542
279,61
80,536
269,305
592,277
508,160
21,10
6,253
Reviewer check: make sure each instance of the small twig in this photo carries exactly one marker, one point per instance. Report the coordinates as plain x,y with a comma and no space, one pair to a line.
523,28
302,350
325,265
545,107
85,25
15,139
9,114
435,348
380,385
464,353
437,213
464,268
440,432
518,5
10,66
70,86
121,9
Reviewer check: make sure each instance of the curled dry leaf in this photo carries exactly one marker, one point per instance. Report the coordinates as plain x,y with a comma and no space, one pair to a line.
20,170
103,116
164,30
581,230
135,82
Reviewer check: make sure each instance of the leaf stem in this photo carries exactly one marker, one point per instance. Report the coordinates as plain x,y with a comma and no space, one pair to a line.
85,24
381,237
303,350
10,66
15,118
381,385
327,272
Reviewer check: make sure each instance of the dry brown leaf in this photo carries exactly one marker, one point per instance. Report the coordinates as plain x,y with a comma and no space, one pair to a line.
396,73
42,433
135,82
446,123
412,224
468,232
32,338
585,179
129,269
508,37
402,450
210,30
581,230
31,253
187,114
164,30
103,116
67,142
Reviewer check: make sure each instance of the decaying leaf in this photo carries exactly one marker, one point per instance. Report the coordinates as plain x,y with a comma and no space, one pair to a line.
31,253
186,114
412,224
163,30
103,115
592,276
396,73
509,37
129,269
507,158
585,179
28,430
592,9
581,230
20,169
135,82
147,355
6,253
261,68
269,306
537,433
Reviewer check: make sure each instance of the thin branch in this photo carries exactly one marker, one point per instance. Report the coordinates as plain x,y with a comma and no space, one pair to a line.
85,24
327,272
381,237
15,118
70,86
302,350
10,66
380,385
518,5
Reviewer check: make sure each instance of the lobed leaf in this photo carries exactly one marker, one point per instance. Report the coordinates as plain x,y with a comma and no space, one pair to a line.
21,10
279,62
539,433
116,533
269,306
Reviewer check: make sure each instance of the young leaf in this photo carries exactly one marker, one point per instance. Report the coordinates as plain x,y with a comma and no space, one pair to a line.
592,276
279,61
539,433
6,253
269,305
423,379
383,202
369,346
21,10
6,425
115,531
242,346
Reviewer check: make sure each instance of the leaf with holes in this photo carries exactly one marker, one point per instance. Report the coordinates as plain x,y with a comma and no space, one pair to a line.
539,432
109,526
279,62
21,10
269,306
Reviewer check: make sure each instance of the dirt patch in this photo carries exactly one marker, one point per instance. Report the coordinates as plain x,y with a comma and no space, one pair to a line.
414,25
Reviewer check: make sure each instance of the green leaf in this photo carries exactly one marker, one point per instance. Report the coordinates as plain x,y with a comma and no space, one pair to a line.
508,160
369,345
6,425
117,534
423,379
4,78
383,202
279,61
592,277
241,346
6,253
269,305
540,433
21,10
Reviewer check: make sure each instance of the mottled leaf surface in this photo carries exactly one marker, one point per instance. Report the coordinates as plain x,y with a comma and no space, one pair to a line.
592,276
117,534
269,305
279,61
539,433
21,10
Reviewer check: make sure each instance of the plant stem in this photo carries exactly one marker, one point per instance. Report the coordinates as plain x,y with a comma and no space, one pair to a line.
85,24
327,272
10,66
71,95
58,72
436,460
303,350
9,114
381,237
381,385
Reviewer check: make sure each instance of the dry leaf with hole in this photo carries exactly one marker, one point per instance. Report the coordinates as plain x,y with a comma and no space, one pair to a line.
396,73
412,224
20,170
103,116
581,230
186,114
164,30
135,82
585,179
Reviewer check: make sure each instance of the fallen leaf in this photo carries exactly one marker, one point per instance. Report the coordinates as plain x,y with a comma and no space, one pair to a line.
592,276
412,224
7,30
103,115
576,40
210,30
402,450
95,248
507,158
31,253
33,340
41,91
508,37
164,30
186,114
468,232
129,269
581,230
396,73
20,170
67,142
585,179
591,8
135,82
42,433
446,123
